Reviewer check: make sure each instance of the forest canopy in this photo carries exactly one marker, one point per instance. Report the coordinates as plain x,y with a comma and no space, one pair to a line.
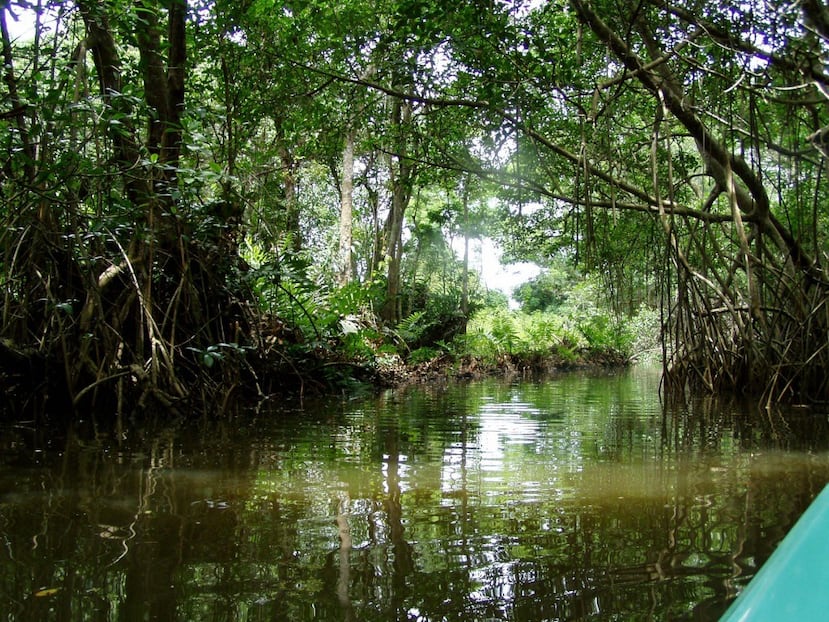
203,196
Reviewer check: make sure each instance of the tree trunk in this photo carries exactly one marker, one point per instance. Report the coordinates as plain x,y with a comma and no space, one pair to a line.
290,204
377,232
346,260
146,333
126,152
465,278
400,170
18,111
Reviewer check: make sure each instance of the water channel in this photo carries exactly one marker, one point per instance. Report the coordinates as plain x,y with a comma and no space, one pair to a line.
574,498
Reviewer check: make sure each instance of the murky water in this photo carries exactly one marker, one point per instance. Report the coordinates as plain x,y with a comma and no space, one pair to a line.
575,498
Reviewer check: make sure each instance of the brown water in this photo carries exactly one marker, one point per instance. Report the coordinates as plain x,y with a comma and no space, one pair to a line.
570,499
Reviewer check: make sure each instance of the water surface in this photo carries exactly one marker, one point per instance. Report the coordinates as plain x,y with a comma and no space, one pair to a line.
577,498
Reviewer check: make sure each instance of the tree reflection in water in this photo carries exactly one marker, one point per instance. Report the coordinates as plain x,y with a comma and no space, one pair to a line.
577,498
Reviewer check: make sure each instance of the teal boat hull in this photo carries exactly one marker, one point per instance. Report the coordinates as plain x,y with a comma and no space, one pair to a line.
794,583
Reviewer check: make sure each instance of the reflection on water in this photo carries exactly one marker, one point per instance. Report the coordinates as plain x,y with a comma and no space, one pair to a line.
574,498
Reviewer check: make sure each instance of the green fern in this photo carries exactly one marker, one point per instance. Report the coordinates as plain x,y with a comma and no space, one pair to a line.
504,333
410,327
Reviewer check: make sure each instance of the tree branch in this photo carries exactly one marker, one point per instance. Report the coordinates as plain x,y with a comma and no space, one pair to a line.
752,198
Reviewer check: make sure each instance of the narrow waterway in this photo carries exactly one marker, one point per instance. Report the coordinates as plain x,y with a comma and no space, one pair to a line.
577,498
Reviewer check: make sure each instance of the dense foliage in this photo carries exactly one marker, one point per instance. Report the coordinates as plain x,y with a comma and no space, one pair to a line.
205,197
